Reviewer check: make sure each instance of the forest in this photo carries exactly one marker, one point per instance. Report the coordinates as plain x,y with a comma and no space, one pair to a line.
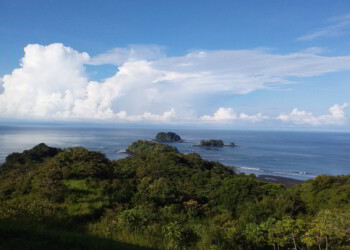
158,198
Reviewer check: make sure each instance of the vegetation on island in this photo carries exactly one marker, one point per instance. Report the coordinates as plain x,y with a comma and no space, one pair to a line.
168,137
211,143
214,143
147,147
159,198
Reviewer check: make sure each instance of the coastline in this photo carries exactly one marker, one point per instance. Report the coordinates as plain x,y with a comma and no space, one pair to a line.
288,182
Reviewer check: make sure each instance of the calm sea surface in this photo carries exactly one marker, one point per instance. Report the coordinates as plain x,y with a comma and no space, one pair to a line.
300,155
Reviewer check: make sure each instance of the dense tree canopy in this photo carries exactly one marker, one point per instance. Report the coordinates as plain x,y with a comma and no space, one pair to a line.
161,198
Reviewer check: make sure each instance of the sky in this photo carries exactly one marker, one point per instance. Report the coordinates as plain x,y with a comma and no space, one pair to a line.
274,64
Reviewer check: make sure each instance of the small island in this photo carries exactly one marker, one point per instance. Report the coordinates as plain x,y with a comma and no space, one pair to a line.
211,143
168,137
214,143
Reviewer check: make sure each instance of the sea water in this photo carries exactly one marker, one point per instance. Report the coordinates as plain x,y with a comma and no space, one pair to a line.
299,155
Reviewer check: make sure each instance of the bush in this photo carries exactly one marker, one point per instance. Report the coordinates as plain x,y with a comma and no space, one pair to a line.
36,154
178,236
79,163
137,219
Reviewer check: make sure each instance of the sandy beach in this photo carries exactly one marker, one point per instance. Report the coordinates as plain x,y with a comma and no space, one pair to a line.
278,179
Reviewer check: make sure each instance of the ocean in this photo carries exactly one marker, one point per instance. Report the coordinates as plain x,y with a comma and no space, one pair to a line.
299,155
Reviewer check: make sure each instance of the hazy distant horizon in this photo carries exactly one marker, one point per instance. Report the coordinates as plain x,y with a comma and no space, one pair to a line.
293,154
168,127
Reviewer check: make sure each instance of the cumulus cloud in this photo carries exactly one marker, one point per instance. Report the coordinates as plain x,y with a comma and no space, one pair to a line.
224,115
49,79
147,116
336,116
51,82
1,83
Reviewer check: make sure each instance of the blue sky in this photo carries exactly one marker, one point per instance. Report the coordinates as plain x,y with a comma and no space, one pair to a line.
235,64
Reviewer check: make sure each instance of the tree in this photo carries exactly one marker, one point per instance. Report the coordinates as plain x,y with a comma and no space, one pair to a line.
275,232
255,234
293,229
328,225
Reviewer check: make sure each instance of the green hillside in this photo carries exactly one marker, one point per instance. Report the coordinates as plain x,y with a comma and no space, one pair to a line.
159,198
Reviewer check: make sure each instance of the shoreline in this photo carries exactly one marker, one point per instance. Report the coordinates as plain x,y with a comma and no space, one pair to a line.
288,182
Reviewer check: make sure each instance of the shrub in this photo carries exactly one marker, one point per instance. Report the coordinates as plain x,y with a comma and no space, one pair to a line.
178,236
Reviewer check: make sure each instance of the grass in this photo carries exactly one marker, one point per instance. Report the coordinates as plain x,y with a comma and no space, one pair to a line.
84,200
15,236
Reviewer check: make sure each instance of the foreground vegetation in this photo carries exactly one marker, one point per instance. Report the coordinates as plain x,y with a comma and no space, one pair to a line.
159,198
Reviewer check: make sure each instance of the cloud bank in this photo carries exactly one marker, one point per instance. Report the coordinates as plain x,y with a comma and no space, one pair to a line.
336,116
52,83
224,115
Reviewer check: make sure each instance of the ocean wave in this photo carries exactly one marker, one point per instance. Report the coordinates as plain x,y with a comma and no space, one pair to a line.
301,173
252,169
277,173
123,151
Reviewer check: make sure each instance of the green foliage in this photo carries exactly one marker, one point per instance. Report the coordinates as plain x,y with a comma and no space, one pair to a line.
167,137
280,233
34,212
221,232
147,147
211,143
326,192
178,236
139,219
36,154
86,199
80,163
293,230
18,236
328,227
161,198
254,234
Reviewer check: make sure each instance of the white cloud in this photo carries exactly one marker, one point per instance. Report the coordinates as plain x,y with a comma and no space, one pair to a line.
336,116
49,79
147,116
51,82
337,27
118,56
1,83
224,115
